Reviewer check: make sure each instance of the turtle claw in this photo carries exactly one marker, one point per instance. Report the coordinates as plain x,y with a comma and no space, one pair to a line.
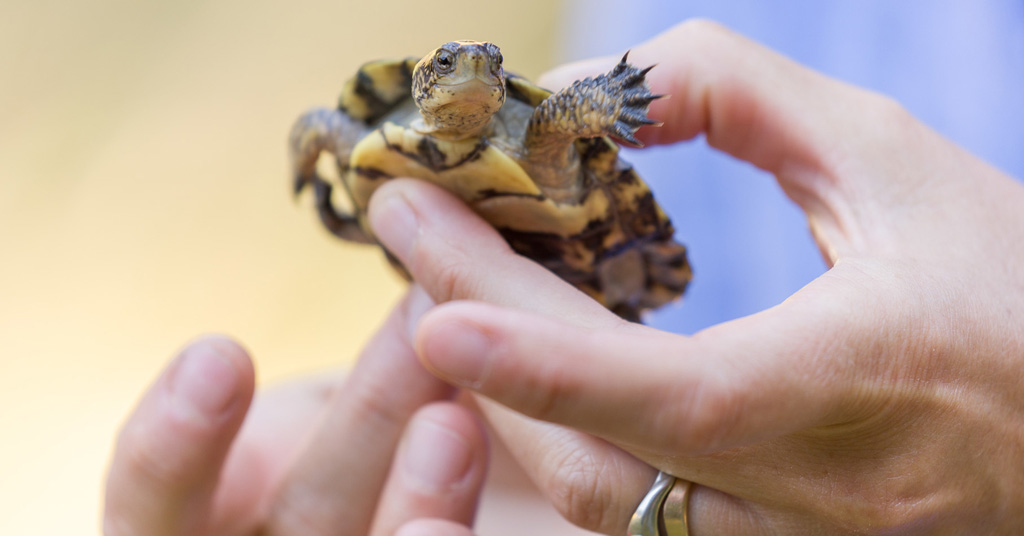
624,132
635,98
299,184
612,104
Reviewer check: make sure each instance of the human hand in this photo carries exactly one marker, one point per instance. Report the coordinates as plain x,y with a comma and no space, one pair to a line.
885,397
312,457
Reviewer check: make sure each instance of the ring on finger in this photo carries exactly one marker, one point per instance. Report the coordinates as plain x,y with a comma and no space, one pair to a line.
663,511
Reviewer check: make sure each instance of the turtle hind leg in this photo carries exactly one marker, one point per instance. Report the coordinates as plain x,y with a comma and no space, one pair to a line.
668,273
612,104
342,225
315,132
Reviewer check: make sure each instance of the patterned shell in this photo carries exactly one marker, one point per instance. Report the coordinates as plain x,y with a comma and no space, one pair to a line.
613,241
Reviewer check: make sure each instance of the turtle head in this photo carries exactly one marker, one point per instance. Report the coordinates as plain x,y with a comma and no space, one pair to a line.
458,87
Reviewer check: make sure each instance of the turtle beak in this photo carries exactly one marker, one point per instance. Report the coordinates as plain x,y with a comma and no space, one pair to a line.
482,66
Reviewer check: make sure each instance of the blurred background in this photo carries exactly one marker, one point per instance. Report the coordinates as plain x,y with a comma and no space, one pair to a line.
144,199
144,189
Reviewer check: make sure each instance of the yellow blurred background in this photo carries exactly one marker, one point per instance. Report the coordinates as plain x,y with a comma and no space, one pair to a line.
144,199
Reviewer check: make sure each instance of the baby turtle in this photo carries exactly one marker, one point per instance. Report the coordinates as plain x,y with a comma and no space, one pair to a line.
538,166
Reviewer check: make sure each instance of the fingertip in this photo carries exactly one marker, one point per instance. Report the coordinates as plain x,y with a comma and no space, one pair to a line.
444,450
454,346
217,346
455,340
393,220
170,452
404,211
439,472
228,348
212,376
422,197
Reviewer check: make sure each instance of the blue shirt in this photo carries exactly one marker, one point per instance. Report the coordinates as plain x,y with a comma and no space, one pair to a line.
956,65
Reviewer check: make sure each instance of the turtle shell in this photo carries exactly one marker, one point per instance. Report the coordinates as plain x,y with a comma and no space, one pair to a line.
612,241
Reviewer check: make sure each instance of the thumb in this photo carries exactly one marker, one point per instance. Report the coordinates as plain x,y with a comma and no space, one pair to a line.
736,384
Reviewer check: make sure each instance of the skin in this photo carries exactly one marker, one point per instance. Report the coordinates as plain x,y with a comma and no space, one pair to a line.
186,465
883,398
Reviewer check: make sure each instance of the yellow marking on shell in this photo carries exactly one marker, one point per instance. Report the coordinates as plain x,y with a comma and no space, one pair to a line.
534,95
354,105
390,83
523,208
489,170
543,215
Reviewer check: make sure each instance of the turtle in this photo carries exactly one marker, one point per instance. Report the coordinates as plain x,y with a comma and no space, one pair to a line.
541,167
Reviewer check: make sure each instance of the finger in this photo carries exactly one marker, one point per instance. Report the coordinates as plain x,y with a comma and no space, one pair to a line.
782,361
335,483
170,452
438,472
598,487
741,383
751,101
771,376
823,139
592,483
433,527
455,255
713,512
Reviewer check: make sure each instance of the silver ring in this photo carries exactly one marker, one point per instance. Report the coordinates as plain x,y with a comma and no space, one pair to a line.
664,507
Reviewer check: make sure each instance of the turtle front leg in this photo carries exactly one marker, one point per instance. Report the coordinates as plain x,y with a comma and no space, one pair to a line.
317,131
612,104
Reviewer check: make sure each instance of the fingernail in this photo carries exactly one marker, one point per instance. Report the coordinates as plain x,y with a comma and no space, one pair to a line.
206,382
394,223
459,352
435,457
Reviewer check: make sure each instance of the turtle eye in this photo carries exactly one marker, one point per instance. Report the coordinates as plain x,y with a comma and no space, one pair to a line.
445,61
495,53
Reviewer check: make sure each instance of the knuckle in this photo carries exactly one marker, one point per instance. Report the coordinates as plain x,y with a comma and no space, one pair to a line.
448,279
888,108
707,415
453,279
144,455
578,489
374,404
546,389
888,124
291,514
878,515
442,270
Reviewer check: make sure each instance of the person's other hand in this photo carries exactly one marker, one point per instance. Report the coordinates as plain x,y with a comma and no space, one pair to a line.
380,452
885,397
